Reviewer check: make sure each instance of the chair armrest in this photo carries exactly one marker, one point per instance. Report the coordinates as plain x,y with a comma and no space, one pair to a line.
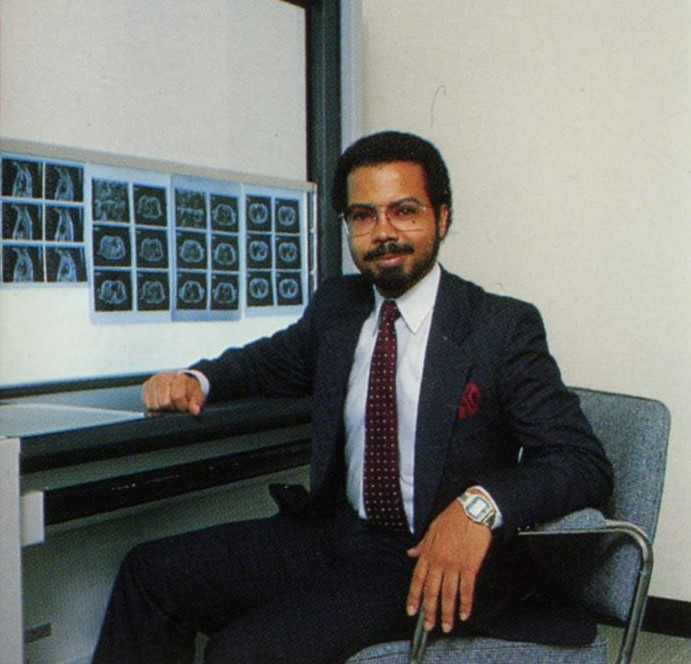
587,519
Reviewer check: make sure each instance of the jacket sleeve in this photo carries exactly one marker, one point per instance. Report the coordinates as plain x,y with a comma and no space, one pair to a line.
279,365
562,465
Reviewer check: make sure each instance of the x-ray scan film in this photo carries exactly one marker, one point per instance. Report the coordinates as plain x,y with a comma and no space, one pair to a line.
22,263
152,248
64,183
225,292
181,247
42,204
190,209
110,201
22,221
225,217
150,206
258,213
260,289
112,290
288,255
65,264
64,223
288,288
22,178
225,254
287,216
259,251
191,251
191,290
111,246
153,292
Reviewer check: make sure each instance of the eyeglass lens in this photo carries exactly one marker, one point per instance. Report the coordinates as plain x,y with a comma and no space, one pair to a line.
404,216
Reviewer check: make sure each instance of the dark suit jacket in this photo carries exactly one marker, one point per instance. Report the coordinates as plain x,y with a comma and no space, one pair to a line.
494,344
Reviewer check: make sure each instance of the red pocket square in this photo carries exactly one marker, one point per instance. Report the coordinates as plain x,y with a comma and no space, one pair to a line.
470,401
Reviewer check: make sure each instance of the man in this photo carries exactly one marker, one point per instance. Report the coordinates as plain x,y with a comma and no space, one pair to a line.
486,439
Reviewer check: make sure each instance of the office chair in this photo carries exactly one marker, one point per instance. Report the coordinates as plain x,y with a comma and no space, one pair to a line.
634,432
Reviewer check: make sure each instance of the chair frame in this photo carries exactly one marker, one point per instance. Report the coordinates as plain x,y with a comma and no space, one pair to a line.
638,601
632,416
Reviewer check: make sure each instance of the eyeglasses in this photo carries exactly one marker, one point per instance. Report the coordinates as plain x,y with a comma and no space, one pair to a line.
404,216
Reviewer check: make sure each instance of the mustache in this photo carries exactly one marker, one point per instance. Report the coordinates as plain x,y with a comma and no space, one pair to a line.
388,249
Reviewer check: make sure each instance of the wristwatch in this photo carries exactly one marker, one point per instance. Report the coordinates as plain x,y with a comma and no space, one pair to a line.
478,508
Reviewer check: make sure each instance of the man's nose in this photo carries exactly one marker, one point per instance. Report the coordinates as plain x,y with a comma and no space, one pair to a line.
383,228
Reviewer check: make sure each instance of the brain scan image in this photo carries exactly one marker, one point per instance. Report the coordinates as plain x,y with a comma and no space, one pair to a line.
151,250
259,251
224,214
149,205
111,247
191,251
287,216
112,292
149,208
288,253
152,293
191,292
289,288
224,294
225,255
258,213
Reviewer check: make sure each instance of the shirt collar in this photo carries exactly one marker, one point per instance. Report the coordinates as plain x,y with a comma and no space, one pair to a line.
417,303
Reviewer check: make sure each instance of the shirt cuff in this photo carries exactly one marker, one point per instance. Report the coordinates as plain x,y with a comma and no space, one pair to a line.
203,380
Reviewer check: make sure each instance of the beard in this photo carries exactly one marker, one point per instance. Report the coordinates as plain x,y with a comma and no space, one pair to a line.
394,281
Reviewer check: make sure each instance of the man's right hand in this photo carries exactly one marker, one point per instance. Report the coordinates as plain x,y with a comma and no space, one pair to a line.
171,391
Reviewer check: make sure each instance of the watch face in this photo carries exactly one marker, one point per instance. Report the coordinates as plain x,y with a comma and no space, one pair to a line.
478,507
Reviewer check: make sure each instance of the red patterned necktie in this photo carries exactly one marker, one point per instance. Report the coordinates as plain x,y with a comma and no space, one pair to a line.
381,484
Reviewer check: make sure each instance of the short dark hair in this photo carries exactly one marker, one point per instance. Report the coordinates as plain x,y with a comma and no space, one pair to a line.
386,147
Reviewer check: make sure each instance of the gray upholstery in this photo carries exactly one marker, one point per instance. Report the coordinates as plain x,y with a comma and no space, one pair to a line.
634,432
477,650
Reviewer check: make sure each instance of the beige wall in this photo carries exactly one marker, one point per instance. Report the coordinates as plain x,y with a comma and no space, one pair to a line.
567,128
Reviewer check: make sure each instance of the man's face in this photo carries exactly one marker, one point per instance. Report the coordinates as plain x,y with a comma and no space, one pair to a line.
394,260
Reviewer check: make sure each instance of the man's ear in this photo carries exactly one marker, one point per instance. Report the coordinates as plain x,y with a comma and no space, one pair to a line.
443,220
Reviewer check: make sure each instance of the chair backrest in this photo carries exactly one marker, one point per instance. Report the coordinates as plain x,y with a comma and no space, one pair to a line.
634,432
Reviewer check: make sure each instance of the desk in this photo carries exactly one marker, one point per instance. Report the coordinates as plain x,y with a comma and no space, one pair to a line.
68,457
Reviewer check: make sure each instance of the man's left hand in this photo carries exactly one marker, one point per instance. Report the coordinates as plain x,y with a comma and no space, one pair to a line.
449,558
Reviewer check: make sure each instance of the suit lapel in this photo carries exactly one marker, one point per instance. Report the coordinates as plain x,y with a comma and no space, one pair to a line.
447,367
331,384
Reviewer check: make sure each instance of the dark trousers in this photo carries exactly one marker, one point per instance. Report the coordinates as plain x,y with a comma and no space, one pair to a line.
276,590
270,590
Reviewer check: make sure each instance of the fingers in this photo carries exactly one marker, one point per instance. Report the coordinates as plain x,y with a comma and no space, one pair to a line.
416,583
449,558
431,597
449,600
170,391
467,591
439,592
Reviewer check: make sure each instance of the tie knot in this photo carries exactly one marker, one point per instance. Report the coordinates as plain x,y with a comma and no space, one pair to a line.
389,312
